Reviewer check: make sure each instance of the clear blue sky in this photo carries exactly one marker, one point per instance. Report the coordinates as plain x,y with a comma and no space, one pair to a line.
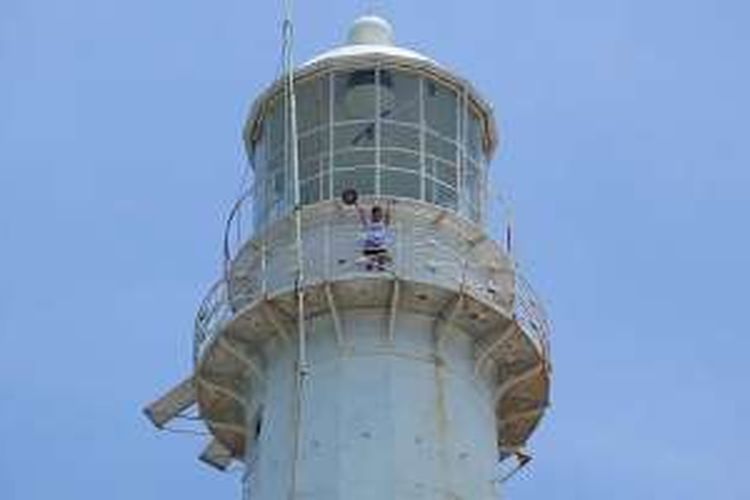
625,151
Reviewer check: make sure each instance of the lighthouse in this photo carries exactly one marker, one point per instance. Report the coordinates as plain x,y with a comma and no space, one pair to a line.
367,337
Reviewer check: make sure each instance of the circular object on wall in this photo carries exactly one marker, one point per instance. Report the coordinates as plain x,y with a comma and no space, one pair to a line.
349,196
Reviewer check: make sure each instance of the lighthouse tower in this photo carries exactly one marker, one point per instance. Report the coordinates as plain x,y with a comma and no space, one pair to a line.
332,373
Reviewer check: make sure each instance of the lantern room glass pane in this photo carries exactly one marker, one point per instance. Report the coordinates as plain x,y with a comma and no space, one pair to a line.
360,135
471,202
401,159
474,135
399,136
440,194
400,183
442,171
441,109
399,96
355,95
360,178
440,148
310,191
350,158
276,190
313,154
312,103
274,128
400,146
259,166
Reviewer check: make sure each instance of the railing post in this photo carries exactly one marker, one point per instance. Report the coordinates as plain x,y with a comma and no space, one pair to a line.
263,264
399,260
327,248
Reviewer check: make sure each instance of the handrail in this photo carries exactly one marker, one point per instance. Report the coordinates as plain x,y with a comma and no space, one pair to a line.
528,308
214,312
531,314
231,220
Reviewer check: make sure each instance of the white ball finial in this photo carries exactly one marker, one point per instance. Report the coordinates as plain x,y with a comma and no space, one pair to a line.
371,30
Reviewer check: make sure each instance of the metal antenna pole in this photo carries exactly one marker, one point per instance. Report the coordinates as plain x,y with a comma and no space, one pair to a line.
294,157
292,144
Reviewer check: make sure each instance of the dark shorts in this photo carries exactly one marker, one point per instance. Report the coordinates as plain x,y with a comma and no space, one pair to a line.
374,251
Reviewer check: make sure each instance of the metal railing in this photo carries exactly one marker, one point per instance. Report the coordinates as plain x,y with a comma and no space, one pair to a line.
531,315
214,312
421,251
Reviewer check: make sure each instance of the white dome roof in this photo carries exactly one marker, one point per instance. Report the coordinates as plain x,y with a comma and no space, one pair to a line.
371,30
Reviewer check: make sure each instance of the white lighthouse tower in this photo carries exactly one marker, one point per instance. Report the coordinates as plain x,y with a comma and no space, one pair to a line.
406,373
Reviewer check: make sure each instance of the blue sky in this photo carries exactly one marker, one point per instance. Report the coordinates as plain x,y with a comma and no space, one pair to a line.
625,152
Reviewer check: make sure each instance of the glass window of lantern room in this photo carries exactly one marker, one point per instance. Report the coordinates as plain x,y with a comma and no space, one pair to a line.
354,145
474,167
354,131
399,96
472,190
355,95
313,117
313,147
273,178
441,109
313,165
441,117
312,103
259,168
399,111
474,134
274,128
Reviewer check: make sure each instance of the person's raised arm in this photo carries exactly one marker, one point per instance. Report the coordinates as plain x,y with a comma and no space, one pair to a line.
362,215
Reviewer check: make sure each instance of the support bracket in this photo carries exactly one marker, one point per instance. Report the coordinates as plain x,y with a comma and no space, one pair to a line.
221,390
393,310
238,354
486,353
446,317
274,316
509,384
338,328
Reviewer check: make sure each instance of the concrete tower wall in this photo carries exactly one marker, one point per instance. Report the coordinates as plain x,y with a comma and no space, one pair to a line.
380,418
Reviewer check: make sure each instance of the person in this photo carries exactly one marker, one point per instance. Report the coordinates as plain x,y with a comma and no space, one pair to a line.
375,246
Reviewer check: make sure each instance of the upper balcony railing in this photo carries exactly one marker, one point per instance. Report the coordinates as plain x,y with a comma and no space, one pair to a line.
427,245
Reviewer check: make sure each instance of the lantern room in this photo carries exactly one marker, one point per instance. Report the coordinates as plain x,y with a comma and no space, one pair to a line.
377,118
